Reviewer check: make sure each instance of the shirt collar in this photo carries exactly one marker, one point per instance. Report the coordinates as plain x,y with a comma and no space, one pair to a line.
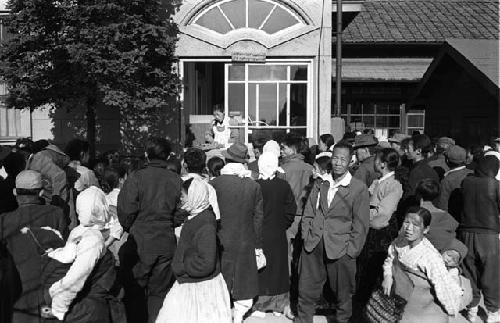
344,181
386,176
454,170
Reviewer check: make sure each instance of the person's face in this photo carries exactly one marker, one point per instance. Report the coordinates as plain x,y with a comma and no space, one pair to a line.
362,153
286,151
379,165
322,146
340,161
397,147
184,197
413,227
218,115
410,152
451,258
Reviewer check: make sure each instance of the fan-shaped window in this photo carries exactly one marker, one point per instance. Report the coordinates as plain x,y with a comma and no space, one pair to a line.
265,15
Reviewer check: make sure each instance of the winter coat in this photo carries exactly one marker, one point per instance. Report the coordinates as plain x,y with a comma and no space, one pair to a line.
366,171
146,207
241,208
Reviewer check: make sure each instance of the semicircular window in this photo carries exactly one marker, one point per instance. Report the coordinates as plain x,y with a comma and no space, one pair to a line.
228,15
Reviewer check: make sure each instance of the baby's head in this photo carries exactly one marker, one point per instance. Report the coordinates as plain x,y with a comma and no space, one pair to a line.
454,253
451,258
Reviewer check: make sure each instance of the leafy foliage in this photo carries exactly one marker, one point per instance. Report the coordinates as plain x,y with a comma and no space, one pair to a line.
91,53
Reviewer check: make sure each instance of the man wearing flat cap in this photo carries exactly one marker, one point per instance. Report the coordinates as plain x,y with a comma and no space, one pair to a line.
241,215
364,146
438,160
31,220
452,181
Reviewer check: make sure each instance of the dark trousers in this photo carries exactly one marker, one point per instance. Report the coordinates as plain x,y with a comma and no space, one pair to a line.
146,279
315,268
482,267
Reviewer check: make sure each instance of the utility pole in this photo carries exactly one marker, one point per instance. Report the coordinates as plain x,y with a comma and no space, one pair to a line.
338,59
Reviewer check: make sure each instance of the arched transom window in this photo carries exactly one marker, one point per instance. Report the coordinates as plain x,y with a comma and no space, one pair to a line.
265,15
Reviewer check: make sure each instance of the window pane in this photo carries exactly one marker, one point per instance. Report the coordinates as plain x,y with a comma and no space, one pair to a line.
257,12
298,104
369,122
416,121
368,108
388,108
356,109
267,104
282,104
237,72
298,73
252,102
279,20
266,72
236,101
235,11
214,20
388,122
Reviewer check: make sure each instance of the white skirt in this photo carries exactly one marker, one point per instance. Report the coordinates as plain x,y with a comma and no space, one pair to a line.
202,302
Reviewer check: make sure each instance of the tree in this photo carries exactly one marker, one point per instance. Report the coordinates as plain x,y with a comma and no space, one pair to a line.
91,53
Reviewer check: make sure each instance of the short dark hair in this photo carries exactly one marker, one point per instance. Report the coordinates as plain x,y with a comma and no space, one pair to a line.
421,212
195,160
111,178
75,147
214,166
174,165
14,163
327,139
427,189
324,163
28,191
158,148
422,142
389,156
293,140
344,145
259,144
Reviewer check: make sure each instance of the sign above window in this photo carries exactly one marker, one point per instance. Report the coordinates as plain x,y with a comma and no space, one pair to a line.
267,16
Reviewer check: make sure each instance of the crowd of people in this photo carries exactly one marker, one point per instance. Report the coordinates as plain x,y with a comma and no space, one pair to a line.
402,230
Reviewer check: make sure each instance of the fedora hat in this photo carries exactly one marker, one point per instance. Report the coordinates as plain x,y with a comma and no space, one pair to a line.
237,152
398,138
365,140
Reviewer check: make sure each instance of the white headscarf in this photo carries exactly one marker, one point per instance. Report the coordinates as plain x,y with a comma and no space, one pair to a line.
92,208
272,147
268,165
197,197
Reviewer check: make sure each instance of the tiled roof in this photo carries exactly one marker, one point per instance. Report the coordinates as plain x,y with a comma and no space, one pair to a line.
423,21
383,69
483,54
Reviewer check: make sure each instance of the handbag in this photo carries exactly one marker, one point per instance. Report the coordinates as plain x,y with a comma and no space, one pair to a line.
382,308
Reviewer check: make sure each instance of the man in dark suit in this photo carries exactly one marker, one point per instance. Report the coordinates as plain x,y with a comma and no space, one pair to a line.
334,228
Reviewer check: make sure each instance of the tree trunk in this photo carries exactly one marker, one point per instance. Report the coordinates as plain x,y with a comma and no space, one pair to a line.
91,127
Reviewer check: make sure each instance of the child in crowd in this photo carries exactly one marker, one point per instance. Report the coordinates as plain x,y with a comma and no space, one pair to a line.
220,128
200,293
113,180
214,165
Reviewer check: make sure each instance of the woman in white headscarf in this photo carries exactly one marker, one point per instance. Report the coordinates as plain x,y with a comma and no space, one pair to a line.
200,293
82,294
279,212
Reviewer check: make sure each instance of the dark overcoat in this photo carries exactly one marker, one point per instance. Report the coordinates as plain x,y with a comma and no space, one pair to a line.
241,209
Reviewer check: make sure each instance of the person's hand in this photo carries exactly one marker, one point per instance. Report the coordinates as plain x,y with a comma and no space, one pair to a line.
387,285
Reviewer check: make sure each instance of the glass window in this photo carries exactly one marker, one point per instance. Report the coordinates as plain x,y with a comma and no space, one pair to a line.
266,72
369,121
252,102
236,101
279,20
235,11
298,104
267,104
388,121
415,121
258,11
215,21
298,72
237,72
266,15
282,97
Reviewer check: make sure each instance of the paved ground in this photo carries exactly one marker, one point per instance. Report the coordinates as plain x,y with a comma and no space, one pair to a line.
321,319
